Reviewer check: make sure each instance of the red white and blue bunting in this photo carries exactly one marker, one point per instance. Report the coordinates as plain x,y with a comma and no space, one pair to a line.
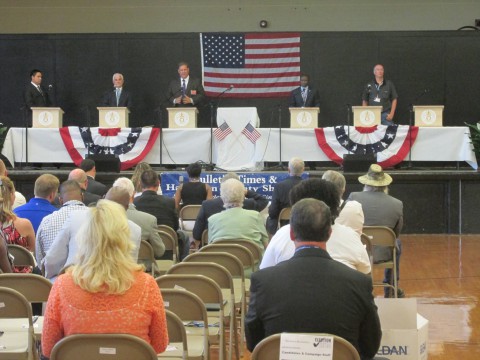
130,144
391,143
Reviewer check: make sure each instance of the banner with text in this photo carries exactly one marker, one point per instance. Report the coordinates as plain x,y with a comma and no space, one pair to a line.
262,183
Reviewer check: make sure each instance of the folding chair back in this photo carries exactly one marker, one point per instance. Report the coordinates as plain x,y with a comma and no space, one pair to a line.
284,217
23,257
102,346
242,253
16,344
168,230
209,269
176,334
269,348
34,287
171,244
188,213
384,250
256,250
146,256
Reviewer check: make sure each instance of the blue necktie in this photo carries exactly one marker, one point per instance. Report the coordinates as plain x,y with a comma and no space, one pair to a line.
183,87
117,93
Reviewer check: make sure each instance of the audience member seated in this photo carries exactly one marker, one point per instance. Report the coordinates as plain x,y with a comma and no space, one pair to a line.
14,230
136,177
253,201
63,251
381,209
71,200
194,191
312,293
344,245
236,222
351,213
147,222
106,291
162,207
94,186
45,191
19,198
81,178
280,199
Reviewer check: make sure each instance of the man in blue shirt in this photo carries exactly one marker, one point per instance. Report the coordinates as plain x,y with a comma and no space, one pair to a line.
46,188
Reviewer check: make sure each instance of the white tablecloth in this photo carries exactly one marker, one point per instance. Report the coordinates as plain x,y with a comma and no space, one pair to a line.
182,146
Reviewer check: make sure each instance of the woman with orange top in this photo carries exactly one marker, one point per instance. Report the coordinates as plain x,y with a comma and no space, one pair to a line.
106,291
14,230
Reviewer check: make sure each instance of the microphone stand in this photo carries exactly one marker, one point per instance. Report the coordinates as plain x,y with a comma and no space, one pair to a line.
160,122
410,124
213,115
349,121
25,114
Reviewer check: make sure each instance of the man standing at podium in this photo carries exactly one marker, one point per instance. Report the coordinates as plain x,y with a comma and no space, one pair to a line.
304,95
119,97
185,90
35,94
381,92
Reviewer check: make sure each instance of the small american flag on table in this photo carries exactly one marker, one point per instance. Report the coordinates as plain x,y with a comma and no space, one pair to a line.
222,131
251,133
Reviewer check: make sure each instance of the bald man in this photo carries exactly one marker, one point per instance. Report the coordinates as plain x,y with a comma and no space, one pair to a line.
81,178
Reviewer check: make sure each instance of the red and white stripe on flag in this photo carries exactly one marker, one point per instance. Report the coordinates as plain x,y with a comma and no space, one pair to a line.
256,64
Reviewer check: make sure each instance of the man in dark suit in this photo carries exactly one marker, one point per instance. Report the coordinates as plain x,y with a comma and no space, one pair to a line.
81,178
35,94
94,186
118,97
185,91
281,191
253,201
313,292
162,207
304,95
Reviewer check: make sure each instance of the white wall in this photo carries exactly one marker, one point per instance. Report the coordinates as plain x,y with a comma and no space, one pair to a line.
140,16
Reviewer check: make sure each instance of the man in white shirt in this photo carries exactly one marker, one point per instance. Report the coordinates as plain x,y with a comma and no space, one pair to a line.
344,244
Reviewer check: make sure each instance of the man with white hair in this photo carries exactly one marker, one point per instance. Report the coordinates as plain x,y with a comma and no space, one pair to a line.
351,212
119,97
236,222
280,199
147,222
253,201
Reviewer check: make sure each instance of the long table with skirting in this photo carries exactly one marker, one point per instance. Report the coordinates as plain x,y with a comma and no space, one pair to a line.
184,146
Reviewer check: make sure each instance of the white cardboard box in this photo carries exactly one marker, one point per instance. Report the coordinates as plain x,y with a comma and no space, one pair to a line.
404,331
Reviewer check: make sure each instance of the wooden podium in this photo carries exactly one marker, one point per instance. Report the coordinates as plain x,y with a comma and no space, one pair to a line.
428,115
367,116
182,118
47,117
113,117
305,118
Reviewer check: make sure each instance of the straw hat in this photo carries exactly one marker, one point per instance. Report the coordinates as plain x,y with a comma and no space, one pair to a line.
375,177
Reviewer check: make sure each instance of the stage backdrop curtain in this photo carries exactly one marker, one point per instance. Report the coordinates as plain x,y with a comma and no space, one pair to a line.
130,144
390,143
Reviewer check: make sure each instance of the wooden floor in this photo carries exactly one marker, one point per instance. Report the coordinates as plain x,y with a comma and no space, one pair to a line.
443,273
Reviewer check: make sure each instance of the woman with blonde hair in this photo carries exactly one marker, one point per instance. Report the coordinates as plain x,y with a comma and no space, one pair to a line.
14,230
106,291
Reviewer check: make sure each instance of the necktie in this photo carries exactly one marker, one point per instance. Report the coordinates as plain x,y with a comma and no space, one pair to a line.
304,94
117,93
183,87
39,89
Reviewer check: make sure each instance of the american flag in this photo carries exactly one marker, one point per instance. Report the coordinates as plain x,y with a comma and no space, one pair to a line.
222,131
256,64
251,133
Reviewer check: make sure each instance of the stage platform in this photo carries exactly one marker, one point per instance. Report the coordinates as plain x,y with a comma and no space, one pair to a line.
436,200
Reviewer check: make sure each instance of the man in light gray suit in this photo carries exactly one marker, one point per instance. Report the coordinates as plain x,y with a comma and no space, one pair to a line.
146,221
381,209
63,251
